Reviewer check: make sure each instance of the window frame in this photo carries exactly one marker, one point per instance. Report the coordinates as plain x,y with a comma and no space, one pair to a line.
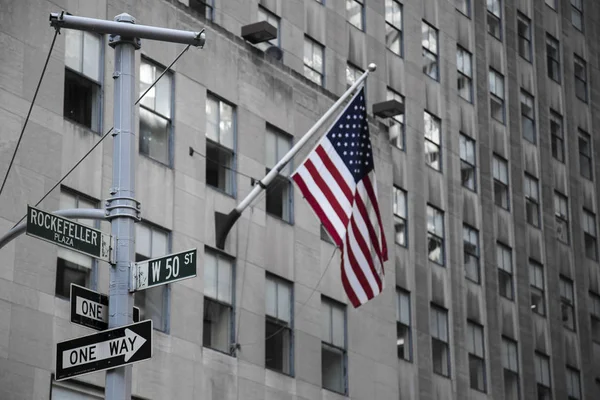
401,215
209,8
397,120
264,14
567,300
581,79
476,355
501,162
430,142
404,323
553,63
524,41
435,236
231,187
466,9
557,141
497,77
573,383
391,26
510,370
352,74
465,142
561,215
429,50
311,67
282,325
587,217
361,5
577,10
527,100
594,306
494,14
541,360
589,156
438,311
469,231
502,251
537,286
467,76
331,303
531,192
282,176
169,130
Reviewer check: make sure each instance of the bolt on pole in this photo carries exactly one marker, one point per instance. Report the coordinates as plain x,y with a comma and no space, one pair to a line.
122,208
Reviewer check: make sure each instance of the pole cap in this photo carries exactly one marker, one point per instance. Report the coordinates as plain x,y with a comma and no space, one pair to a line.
372,67
125,18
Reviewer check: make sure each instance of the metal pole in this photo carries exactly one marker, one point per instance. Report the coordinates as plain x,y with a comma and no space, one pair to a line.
123,207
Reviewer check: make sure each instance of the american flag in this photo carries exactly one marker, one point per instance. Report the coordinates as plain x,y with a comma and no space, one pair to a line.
338,180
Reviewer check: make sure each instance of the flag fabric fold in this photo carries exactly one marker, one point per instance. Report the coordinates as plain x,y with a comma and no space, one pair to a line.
338,181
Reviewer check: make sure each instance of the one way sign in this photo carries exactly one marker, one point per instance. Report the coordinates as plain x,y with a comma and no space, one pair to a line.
104,350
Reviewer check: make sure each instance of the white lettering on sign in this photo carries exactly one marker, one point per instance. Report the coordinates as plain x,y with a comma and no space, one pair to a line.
155,271
126,346
90,309
159,271
64,230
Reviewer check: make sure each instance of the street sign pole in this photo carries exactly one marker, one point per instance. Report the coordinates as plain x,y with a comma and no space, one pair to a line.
122,208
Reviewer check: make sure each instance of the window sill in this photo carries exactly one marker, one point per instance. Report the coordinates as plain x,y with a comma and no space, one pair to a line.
436,79
523,58
537,313
473,281
290,375
405,360
478,390
496,37
401,55
558,82
499,121
404,246
219,190
437,263
462,13
79,125
469,189
290,223
162,164
218,351
434,169
345,394
507,298
442,375
356,27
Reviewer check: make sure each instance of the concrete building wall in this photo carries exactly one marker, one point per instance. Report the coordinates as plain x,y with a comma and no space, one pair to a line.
265,91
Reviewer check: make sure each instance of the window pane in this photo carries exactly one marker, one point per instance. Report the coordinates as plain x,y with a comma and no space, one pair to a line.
338,327
326,322
224,282
216,326
226,125
212,119
277,347
91,55
210,275
163,94
270,149
146,79
73,49
142,240
271,297
332,369
284,297
154,136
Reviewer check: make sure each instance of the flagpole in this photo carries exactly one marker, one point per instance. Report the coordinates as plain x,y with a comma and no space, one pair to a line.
230,219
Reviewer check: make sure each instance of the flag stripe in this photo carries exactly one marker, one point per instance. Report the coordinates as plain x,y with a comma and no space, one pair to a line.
323,165
367,223
373,197
361,254
335,173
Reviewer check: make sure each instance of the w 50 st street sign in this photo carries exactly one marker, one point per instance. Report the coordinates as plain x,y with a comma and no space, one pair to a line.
163,270
67,233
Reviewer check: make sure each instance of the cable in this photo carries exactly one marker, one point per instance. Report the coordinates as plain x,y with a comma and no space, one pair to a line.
29,112
99,141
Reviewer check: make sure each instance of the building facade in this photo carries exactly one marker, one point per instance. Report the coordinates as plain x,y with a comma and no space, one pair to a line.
487,184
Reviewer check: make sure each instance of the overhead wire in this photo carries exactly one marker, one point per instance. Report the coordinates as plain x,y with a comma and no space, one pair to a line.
37,89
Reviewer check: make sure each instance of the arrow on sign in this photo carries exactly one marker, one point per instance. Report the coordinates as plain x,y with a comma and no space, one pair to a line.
126,346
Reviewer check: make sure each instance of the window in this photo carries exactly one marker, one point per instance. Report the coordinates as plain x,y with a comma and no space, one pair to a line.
433,128
400,216
573,384
532,201
467,162
551,4
72,266
272,19
465,74
557,138
220,144
561,212
155,113
505,271
430,50
204,7
218,320
524,31
333,345
83,77
74,390
577,14
278,324
494,18
510,362
585,155
527,117
595,316
542,374
393,26
471,253
435,235
475,348
588,221
352,74
440,349
325,236
537,288
580,78
553,58
313,61
279,192
500,170
396,129
464,6
355,13
152,242
403,330
496,95
567,303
